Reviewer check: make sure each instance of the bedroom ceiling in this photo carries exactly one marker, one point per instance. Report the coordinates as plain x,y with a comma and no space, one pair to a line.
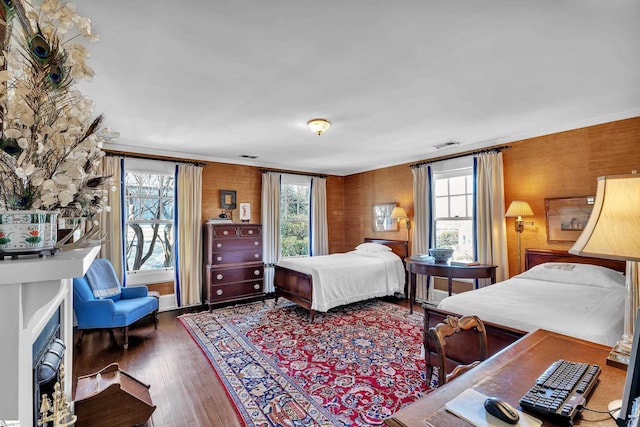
218,80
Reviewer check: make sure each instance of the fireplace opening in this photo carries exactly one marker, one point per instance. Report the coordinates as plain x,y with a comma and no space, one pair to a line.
48,352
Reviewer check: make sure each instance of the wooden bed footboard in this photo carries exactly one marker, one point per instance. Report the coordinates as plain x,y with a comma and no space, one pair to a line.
458,346
295,286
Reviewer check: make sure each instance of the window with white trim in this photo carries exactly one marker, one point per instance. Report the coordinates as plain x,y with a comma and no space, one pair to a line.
295,201
453,212
149,213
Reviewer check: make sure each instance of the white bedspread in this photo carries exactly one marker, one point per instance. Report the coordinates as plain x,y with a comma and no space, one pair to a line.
343,278
585,302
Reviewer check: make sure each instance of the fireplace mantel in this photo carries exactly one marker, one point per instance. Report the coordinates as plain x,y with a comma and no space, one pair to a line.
31,290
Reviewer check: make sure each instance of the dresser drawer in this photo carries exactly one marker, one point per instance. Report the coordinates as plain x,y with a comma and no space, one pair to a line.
219,245
236,257
225,231
235,290
236,274
250,230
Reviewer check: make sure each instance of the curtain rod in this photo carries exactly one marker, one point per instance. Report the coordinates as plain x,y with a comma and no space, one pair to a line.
293,173
456,156
161,159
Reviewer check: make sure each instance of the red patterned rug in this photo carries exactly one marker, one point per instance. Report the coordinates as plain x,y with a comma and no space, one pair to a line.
353,366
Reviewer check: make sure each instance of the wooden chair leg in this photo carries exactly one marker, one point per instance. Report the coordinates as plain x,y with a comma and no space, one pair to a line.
80,337
126,337
155,319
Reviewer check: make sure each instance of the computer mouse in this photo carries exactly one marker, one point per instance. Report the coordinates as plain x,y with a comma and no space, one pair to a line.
501,410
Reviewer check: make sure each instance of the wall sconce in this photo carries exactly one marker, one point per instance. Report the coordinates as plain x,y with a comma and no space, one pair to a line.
518,209
399,214
318,125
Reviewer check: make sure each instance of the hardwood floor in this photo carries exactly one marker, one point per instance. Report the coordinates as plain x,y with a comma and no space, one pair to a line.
184,387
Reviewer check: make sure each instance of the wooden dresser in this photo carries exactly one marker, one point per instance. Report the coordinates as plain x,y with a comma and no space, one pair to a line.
233,267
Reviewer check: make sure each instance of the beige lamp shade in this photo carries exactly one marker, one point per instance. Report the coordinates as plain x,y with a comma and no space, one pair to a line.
398,213
613,229
519,208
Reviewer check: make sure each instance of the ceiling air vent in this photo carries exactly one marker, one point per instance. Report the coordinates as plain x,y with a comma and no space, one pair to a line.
447,144
248,156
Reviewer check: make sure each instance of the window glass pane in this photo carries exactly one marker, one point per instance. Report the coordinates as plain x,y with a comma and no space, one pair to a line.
294,219
453,212
149,212
457,235
457,185
149,246
441,187
458,206
442,207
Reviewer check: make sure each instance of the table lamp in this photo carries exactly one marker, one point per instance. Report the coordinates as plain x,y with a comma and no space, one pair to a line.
518,209
613,232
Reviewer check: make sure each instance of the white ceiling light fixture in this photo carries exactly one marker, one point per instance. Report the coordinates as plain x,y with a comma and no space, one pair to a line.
318,125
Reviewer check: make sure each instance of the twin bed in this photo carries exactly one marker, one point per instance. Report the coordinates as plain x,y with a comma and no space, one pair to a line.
374,269
577,296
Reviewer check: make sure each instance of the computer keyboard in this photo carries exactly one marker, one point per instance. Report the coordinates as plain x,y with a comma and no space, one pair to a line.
562,389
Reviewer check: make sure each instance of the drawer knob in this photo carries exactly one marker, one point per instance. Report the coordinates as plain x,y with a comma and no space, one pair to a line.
250,231
256,286
219,258
225,232
219,245
256,256
219,276
219,292
256,272
256,243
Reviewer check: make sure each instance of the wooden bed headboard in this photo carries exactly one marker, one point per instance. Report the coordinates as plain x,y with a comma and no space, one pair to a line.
399,247
533,257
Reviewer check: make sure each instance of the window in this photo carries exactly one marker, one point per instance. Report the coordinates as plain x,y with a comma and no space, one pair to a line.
295,197
149,202
453,212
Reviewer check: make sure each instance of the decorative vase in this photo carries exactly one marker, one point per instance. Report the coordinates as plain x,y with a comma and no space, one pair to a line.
76,225
28,231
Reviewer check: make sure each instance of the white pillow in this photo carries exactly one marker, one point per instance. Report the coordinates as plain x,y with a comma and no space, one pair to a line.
372,247
576,274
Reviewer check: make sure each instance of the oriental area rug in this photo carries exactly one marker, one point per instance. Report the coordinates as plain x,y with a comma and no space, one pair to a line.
353,366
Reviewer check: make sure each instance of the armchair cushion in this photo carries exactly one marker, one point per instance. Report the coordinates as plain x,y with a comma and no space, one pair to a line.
103,280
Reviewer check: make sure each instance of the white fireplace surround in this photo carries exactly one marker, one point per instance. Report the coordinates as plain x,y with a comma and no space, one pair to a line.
31,290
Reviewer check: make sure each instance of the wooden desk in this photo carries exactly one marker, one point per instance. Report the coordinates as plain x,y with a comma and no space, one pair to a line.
509,375
450,271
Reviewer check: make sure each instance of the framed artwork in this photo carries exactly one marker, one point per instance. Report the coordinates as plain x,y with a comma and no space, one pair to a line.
382,220
566,217
228,199
245,212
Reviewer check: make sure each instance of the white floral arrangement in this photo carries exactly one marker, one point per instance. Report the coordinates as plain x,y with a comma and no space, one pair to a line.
50,141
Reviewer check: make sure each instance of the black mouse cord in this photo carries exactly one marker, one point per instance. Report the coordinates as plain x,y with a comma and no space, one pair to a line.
610,412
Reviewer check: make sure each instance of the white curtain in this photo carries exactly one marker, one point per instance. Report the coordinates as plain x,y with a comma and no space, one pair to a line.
319,228
188,259
270,210
422,220
111,222
491,232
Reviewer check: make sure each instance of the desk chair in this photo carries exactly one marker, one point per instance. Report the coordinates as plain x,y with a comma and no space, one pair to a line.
450,331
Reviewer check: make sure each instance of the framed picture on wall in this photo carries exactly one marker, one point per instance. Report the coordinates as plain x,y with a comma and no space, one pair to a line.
566,217
381,217
228,199
245,212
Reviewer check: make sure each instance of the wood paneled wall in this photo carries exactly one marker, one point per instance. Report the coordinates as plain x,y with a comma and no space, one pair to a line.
565,164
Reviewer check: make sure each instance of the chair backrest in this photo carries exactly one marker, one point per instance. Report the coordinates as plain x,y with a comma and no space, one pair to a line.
449,328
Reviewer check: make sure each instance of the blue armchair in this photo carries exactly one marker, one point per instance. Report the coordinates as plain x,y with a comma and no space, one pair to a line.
99,301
